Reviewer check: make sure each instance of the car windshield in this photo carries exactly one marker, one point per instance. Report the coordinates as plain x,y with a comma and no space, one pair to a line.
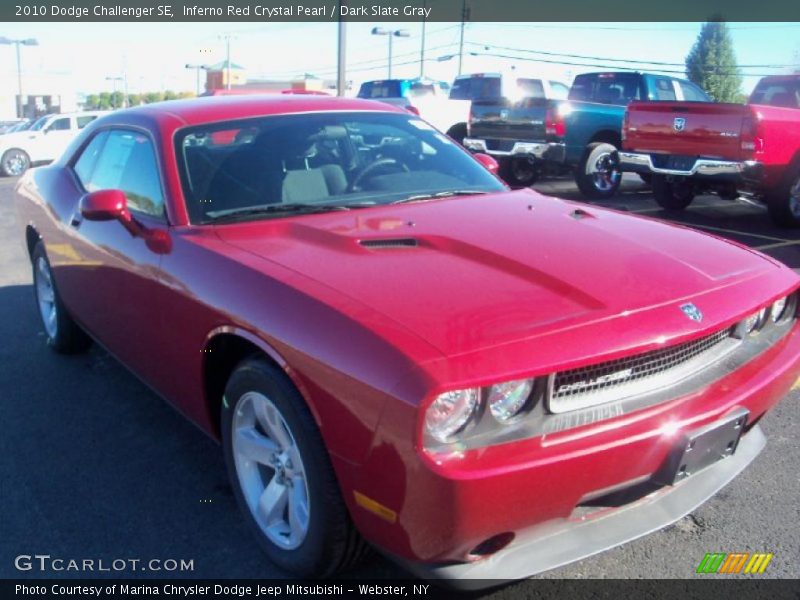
275,166
606,88
39,124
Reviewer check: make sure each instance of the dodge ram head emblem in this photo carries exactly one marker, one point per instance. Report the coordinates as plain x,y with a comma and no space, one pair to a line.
679,124
691,311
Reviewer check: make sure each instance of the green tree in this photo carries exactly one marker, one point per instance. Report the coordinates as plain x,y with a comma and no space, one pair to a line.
711,63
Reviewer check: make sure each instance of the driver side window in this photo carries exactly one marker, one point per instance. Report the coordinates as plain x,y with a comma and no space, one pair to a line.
123,160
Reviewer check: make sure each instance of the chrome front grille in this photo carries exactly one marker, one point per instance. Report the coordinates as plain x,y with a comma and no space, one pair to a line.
637,375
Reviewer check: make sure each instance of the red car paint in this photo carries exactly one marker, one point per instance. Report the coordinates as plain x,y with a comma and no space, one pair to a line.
500,287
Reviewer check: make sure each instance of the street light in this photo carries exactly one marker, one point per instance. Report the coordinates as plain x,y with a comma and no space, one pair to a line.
198,68
114,81
392,34
26,42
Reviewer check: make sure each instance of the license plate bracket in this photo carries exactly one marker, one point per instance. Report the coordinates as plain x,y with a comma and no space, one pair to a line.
681,163
701,448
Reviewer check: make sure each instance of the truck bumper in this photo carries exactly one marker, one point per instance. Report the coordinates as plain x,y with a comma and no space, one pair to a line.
703,168
549,151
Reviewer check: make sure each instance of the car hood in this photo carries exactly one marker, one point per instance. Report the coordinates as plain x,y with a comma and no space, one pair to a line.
471,272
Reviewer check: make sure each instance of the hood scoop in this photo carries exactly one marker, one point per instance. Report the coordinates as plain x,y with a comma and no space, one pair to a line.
388,243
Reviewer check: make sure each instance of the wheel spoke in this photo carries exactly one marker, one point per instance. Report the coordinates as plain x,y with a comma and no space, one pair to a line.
298,511
254,446
272,502
271,421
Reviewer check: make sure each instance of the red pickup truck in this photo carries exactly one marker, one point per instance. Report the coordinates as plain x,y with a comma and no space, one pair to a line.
748,149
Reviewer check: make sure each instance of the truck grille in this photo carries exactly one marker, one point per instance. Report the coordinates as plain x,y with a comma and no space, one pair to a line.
636,375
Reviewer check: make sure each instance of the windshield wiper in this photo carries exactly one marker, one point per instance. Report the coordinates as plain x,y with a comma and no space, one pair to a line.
284,208
436,195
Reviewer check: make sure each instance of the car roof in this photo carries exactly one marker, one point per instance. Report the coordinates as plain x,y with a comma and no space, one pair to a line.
209,109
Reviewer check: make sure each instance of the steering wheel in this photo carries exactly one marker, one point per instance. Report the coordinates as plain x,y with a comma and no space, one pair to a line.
378,164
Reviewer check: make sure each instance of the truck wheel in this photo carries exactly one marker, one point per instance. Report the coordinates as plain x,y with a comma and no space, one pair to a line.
282,476
520,171
672,195
598,175
784,203
458,132
14,162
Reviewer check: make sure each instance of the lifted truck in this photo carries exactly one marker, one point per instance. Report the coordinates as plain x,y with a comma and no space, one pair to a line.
581,134
729,149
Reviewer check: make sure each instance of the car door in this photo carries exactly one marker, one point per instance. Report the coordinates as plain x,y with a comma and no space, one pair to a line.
113,288
54,139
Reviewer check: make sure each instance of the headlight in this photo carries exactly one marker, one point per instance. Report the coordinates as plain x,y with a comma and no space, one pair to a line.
755,321
450,412
506,400
777,310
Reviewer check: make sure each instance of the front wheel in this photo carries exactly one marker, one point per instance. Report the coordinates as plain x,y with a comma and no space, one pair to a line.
14,162
784,203
598,174
672,195
282,476
64,335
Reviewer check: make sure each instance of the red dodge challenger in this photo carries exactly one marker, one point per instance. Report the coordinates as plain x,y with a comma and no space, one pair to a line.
395,348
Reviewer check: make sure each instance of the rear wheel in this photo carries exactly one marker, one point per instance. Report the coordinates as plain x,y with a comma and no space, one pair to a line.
14,162
784,203
520,171
282,476
458,132
63,334
672,195
598,175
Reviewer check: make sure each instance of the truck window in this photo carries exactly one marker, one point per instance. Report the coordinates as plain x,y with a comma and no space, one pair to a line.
692,93
777,93
664,89
476,88
606,88
530,88
380,89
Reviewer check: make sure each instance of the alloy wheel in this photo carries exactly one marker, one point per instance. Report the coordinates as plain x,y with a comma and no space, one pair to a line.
606,174
46,297
15,163
270,470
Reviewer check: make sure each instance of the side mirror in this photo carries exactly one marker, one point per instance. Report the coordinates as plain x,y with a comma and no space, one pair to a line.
488,162
105,205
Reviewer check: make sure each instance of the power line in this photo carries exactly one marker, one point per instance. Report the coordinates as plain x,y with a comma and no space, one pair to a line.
620,60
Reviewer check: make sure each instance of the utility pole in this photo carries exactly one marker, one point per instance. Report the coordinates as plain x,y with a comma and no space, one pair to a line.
228,60
422,45
341,53
18,43
464,17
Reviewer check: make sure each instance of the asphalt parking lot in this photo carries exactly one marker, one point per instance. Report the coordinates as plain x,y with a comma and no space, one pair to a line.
94,465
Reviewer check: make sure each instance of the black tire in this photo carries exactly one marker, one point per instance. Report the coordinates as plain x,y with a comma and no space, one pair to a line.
672,195
14,162
64,335
519,171
784,202
331,542
598,175
458,132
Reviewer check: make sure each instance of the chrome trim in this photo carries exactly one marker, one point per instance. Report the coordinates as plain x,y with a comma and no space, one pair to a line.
535,149
702,166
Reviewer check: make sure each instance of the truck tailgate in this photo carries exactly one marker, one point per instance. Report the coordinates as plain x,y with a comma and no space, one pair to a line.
502,122
710,130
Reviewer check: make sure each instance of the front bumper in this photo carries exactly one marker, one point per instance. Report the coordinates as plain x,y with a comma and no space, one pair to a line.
554,544
703,168
549,151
